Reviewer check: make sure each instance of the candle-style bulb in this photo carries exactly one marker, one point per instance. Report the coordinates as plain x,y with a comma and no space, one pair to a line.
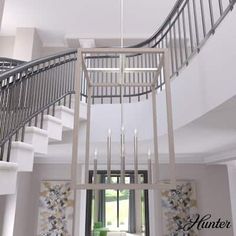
135,132
95,154
109,132
122,129
149,153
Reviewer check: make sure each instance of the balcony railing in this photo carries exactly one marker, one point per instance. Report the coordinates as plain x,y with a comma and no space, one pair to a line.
187,28
8,64
33,89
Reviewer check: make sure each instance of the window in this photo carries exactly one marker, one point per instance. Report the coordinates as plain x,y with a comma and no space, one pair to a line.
118,209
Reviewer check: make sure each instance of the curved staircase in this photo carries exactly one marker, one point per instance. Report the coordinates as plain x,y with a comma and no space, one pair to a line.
36,98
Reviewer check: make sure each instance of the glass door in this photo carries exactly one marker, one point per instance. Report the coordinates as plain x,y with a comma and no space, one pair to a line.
117,210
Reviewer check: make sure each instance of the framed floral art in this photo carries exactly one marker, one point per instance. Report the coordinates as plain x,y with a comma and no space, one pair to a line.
179,206
55,209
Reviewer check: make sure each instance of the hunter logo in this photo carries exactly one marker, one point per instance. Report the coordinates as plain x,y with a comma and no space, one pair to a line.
206,222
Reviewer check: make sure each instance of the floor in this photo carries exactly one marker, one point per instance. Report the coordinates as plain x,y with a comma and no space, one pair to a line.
122,234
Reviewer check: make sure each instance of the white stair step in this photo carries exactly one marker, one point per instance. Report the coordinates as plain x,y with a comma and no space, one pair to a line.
66,115
8,177
23,155
53,126
38,138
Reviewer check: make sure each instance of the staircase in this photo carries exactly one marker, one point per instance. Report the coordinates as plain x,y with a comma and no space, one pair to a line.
36,143
36,98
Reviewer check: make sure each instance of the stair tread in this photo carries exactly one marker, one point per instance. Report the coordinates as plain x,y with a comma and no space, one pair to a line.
8,165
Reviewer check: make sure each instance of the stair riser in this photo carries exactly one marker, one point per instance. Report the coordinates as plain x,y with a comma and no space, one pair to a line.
38,140
54,128
8,178
67,118
23,156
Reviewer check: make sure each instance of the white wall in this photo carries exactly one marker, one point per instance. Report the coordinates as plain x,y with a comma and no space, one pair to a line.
206,83
211,182
2,208
7,46
2,3
232,186
86,18
37,46
24,195
28,44
47,51
212,192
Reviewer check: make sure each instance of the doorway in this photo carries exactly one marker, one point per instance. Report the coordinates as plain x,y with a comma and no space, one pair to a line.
119,211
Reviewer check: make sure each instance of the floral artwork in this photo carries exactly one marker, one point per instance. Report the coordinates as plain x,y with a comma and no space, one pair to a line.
55,209
179,206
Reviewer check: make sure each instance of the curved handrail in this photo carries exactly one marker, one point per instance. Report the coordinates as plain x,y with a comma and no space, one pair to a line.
8,63
190,20
162,27
184,32
169,18
34,89
36,62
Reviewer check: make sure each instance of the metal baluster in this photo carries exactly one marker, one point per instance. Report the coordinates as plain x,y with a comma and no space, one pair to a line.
14,103
93,80
43,99
50,88
102,79
26,110
39,91
190,27
3,109
7,108
175,50
35,93
144,79
220,7
116,77
196,24
129,79
56,78
185,37
136,75
203,18
83,80
171,50
106,76
111,81
180,42
70,81
96,77
2,152
9,149
54,87
211,16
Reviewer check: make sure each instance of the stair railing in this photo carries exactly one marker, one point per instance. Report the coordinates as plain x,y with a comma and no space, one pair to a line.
184,32
33,89
8,64
30,91
187,28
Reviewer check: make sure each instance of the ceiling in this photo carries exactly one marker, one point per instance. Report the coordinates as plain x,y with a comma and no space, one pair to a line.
57,20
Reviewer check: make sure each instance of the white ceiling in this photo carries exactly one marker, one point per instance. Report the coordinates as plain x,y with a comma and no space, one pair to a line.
58,19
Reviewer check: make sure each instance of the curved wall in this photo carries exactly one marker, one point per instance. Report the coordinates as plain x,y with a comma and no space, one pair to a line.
208,81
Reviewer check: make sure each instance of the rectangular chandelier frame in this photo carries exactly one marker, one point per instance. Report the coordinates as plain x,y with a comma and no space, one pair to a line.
82,69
